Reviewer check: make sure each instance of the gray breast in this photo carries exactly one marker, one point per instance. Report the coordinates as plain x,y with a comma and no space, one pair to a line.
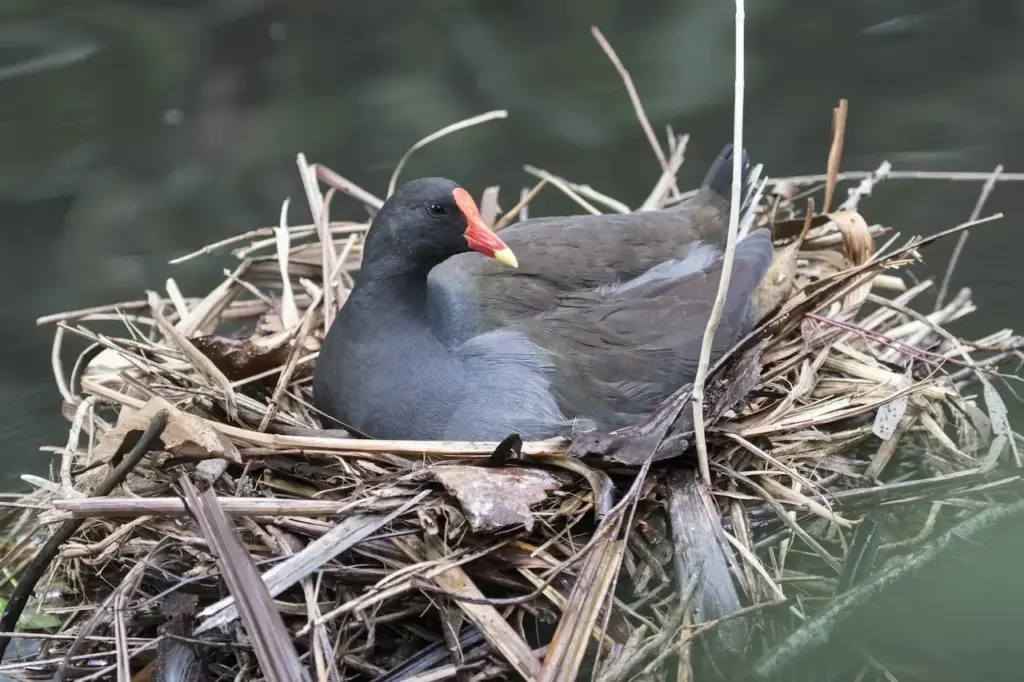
507,391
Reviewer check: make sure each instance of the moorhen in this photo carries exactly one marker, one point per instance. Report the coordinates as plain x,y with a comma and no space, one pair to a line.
573,323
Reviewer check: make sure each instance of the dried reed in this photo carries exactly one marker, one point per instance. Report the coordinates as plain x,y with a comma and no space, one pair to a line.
406,560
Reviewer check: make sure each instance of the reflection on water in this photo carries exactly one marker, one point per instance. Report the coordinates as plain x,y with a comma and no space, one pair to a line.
132,131
27,48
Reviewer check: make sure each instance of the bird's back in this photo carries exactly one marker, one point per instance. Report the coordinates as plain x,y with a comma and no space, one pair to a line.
620,350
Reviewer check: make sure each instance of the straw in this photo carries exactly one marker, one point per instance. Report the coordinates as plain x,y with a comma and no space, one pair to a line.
384,561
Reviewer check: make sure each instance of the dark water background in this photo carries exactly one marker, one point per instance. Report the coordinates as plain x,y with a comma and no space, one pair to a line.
132,131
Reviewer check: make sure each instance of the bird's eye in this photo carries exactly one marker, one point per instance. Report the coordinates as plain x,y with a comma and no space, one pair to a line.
436,210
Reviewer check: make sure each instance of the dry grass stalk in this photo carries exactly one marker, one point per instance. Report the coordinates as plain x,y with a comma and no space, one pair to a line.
986,190
730,250
633,96
367,553
835,152
447,130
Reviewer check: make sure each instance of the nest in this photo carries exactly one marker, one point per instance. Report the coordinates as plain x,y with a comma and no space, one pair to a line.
194,468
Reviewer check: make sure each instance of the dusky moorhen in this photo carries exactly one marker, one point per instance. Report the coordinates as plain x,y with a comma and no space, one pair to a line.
601,321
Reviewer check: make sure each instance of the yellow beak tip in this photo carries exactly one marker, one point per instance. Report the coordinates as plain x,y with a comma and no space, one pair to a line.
506,257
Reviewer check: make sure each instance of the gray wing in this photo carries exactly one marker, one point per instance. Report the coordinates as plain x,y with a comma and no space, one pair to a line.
470,294
619,350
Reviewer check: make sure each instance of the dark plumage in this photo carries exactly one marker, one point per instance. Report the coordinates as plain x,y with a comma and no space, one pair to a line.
600,322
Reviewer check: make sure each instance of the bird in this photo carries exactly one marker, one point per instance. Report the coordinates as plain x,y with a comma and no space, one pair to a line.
561,325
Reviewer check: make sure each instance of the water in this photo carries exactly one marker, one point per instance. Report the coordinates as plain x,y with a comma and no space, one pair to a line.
132,131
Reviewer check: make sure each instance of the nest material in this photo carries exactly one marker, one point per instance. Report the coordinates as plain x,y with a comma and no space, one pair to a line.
390,560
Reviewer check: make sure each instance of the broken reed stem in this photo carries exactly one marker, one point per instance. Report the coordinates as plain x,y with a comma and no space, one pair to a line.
516,210
329,260
343,184
638,107
667,181
951,176
730,252
263,623
986,190
835,152
133,508
293,357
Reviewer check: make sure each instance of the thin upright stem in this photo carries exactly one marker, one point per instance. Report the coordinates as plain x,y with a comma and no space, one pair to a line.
730,252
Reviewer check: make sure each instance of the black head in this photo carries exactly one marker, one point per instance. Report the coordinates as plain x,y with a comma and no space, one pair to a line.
427,221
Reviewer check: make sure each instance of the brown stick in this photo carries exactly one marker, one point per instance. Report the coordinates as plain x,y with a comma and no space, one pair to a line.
627,80
127,508
835,153
278,660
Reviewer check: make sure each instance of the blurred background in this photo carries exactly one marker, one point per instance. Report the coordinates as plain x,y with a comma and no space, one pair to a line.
133,131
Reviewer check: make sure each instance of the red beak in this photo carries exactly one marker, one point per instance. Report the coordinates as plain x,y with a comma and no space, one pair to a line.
480,237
